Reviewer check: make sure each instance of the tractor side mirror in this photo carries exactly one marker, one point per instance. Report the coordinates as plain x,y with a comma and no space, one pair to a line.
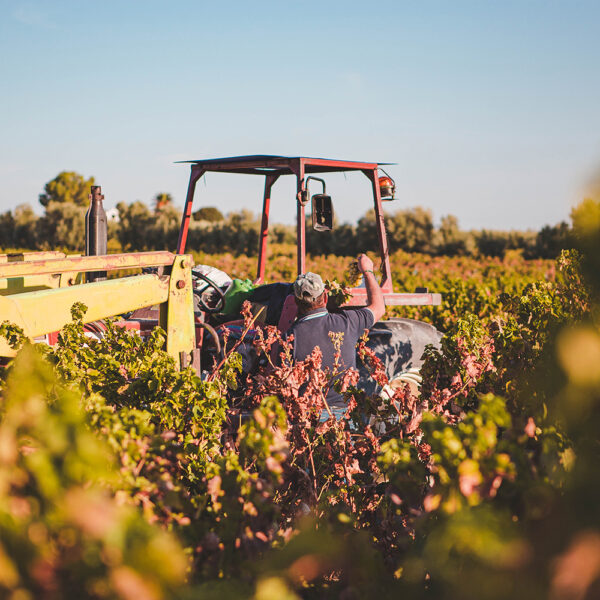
322,207
322,212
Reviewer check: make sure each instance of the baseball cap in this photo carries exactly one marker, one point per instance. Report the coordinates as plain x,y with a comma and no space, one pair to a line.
308,286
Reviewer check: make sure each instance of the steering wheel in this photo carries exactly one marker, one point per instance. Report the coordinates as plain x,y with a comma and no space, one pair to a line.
221,296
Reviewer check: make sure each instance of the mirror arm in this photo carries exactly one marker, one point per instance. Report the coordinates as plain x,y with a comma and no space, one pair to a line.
315,179
303,196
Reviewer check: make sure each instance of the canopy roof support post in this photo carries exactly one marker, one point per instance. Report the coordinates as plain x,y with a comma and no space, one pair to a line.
264,229
195,175
386,279
298,168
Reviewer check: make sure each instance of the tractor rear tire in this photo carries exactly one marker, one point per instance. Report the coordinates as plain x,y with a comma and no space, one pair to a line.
400,344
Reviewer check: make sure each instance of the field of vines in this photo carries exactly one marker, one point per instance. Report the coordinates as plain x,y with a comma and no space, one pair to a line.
122,477
468,285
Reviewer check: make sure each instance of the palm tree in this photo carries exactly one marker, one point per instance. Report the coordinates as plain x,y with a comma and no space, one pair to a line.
162,201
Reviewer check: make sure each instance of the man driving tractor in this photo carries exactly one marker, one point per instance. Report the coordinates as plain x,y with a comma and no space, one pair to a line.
314,324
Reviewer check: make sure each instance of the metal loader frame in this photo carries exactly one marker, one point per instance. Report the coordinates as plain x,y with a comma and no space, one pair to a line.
42,311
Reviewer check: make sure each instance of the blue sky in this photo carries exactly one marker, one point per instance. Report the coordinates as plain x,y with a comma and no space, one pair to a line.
490,109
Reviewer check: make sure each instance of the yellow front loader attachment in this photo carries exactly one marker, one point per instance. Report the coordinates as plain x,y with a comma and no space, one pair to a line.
33,282
38,290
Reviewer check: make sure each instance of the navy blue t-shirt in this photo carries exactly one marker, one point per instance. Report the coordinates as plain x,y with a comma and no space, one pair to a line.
313,329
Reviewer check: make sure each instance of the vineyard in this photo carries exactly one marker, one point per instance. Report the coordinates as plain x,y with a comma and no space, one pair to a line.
122,477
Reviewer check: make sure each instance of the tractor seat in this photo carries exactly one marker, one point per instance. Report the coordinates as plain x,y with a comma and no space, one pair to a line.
289,312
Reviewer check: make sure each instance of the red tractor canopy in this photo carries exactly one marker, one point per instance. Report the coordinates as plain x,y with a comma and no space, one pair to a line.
304,168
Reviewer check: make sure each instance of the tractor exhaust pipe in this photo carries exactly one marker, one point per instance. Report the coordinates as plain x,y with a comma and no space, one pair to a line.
96,231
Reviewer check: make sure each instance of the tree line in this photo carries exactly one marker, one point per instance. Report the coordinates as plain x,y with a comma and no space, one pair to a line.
140,227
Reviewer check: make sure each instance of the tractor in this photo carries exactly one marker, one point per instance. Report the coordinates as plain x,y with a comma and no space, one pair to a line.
187,300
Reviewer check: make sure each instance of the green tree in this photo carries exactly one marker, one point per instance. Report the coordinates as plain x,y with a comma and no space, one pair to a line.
340,241
366,230
491,243
18,229
450,240
67,186
209,213
240,232
135,221
63,226
551,240
164,230
7,229
411,230
25,227
282,234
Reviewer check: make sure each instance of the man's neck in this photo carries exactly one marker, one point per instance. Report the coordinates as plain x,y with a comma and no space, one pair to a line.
311,311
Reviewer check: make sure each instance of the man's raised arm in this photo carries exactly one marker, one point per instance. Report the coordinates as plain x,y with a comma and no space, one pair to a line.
375,300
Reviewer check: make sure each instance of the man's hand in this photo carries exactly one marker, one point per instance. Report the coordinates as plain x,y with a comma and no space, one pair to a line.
375,300
364,264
